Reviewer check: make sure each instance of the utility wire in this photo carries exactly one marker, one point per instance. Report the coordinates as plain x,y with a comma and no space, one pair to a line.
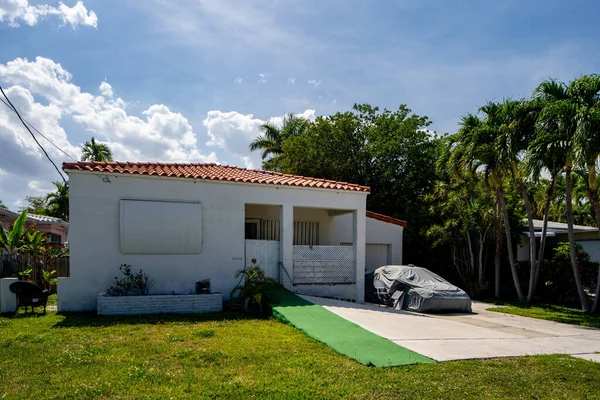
42,135
32,135
104,178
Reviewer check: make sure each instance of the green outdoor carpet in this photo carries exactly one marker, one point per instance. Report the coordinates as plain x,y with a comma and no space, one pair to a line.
341,335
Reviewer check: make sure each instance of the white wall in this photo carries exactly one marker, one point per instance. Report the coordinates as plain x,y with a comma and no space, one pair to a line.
592,247
377,232
94,231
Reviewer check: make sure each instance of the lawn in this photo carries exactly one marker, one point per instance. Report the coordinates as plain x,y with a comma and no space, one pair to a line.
551,313
225,355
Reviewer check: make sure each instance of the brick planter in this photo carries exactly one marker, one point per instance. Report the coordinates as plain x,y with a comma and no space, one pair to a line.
160,304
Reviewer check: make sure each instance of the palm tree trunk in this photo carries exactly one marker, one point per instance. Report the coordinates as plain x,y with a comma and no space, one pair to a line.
480,258
593,189
532,245
511,259
582,299
498,254
540,258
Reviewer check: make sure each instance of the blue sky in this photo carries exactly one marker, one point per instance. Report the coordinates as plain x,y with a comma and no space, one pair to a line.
186,80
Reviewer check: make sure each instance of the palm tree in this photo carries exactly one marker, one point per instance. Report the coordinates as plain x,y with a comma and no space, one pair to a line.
516,122
480,140
58,201
95,151
546,152
585,92
558,117
270,141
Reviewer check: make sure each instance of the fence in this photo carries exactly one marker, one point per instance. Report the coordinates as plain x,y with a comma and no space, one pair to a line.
12,265
323,265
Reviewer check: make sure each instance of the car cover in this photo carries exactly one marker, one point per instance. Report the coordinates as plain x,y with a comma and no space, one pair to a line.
418,289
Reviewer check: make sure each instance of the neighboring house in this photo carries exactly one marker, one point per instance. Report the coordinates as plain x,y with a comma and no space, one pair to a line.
56,229
586,236
181,223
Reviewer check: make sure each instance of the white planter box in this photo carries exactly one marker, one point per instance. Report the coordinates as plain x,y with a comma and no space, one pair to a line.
160,304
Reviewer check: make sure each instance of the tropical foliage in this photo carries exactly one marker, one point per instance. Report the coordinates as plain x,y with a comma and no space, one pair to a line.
270,142
256,290
96,151
58,201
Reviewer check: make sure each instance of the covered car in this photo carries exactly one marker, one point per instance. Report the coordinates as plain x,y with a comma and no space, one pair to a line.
418,289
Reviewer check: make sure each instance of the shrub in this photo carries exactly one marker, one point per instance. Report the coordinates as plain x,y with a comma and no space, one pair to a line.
557,281
257,289
138,284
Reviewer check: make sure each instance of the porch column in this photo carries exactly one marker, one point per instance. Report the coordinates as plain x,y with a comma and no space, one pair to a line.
358,241
286,244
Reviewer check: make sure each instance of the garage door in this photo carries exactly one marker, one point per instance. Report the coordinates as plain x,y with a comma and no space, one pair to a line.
376,255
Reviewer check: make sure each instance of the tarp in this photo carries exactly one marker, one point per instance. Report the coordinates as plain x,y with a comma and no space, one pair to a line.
422,290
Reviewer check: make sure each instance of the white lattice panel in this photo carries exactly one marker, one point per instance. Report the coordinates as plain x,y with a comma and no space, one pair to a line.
324,264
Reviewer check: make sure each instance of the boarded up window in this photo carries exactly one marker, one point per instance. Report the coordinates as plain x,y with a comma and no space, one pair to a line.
160,227
306,233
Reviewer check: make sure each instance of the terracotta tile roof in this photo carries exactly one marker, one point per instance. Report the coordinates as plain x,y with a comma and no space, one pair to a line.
385,218
211,172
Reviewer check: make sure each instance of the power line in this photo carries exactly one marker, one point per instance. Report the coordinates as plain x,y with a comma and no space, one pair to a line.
42,135
104,178
32,135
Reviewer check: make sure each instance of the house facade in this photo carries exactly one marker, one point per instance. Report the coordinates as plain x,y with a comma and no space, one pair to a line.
182,223
586,236
56,229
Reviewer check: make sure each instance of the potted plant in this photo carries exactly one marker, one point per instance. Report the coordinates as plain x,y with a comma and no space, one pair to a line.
256,291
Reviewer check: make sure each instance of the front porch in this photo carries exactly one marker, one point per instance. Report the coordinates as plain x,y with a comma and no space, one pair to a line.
298,246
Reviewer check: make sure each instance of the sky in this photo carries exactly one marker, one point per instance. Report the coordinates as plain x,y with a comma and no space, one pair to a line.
193,80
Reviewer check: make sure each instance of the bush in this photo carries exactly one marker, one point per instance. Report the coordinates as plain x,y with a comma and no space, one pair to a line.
256,291
557,284
138,284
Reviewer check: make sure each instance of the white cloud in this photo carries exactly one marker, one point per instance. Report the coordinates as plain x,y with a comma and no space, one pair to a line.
106,89
238,80
43,93
14,12
314,83
291,80
234,132
262,78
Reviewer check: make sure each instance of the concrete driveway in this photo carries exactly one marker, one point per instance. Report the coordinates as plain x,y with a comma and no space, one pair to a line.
482,334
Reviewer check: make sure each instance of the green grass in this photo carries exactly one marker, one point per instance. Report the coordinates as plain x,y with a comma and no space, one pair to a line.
225,355
551,313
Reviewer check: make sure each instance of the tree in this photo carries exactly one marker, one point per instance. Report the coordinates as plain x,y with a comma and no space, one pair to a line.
558,117
479,141
585,92
96,151
516,121
37,205
58,201
2,205
390,151
466,210
271,139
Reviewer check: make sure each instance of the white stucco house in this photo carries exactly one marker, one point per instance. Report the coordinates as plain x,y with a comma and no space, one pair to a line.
586,236
182,223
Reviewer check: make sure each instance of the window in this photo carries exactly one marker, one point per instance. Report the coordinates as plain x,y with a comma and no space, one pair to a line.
55,238
251,228
160,227
306,233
